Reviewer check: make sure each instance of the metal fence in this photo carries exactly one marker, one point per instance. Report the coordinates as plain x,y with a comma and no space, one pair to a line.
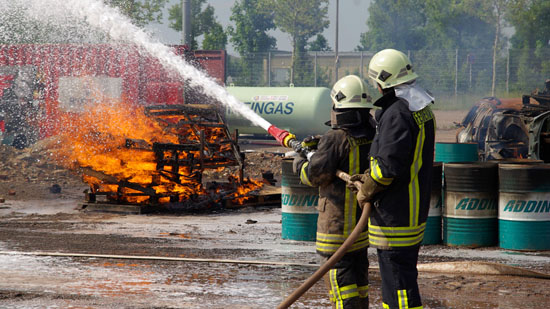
447,73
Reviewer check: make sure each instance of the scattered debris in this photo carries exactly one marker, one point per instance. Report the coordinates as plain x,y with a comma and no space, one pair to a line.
30,173
55,188
267,177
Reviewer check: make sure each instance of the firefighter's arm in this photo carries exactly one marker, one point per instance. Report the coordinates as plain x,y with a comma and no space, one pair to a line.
396,147
369,188
309,144
320,167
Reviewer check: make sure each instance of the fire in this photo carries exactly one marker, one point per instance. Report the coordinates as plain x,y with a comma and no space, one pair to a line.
139,155
242,191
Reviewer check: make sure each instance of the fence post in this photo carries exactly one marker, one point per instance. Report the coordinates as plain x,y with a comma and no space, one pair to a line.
315,70
456,72
269,69
470,82
361,69
508,72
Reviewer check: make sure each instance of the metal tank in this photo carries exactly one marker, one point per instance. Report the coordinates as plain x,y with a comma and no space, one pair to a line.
524,206
432,233
298,206
455,152
300,110
470,211
449,153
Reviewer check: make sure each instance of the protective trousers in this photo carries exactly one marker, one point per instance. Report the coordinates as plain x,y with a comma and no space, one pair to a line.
348,281
399,274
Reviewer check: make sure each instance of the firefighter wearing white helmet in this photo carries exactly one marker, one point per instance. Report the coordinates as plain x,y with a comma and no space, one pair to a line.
390,68
398,181
344,146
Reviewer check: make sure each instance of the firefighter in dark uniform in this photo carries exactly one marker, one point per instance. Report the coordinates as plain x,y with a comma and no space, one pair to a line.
398,181
345,146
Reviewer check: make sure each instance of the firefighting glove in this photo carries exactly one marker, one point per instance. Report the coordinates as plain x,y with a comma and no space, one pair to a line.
310,142
297,164
368,189
353,179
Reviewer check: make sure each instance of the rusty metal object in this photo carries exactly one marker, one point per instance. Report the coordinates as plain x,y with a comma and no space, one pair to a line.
508,128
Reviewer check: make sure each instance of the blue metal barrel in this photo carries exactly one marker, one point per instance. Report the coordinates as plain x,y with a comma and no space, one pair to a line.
524,206
298,206
432,234
470,211
455,152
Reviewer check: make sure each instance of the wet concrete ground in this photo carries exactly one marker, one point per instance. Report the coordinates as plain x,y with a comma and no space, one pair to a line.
30,281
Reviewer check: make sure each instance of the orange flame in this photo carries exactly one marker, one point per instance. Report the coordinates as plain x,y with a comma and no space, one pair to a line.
243,191
95,139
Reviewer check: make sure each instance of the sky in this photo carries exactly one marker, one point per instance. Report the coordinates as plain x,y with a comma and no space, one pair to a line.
352,22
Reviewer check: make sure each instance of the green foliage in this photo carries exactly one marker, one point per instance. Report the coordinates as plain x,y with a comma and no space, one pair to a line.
533,68
303,69
531,21
142,12
436,68
203,22
395,24
324,77
319,44
301,20
215,39
429,24
252,21
464,24
248,70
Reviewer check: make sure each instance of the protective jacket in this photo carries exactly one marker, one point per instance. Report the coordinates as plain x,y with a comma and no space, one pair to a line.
339,211
401,158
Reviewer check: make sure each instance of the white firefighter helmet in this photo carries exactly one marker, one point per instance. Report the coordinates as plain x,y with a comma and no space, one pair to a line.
390,68
350,92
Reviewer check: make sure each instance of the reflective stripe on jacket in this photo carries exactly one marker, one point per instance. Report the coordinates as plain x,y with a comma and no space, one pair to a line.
338,207
401,158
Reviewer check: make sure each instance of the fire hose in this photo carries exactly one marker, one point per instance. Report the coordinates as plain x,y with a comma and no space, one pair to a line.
289,140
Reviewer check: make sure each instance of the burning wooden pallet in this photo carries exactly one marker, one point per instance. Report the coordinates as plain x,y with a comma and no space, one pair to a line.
171,172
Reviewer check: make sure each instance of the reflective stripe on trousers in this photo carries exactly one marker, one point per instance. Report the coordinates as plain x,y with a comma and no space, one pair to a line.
399,278
347,281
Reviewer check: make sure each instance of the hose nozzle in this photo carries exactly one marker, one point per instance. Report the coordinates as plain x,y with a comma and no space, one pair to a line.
282,136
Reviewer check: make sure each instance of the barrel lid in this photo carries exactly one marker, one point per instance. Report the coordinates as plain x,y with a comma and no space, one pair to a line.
512,166
516,161
473,164
454,143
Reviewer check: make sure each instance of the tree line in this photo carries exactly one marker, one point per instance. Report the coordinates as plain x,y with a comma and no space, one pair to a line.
520,26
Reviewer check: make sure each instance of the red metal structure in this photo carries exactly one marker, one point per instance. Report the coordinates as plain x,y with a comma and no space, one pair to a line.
49,79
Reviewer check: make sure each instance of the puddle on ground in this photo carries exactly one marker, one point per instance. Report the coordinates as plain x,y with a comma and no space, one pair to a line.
153,283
